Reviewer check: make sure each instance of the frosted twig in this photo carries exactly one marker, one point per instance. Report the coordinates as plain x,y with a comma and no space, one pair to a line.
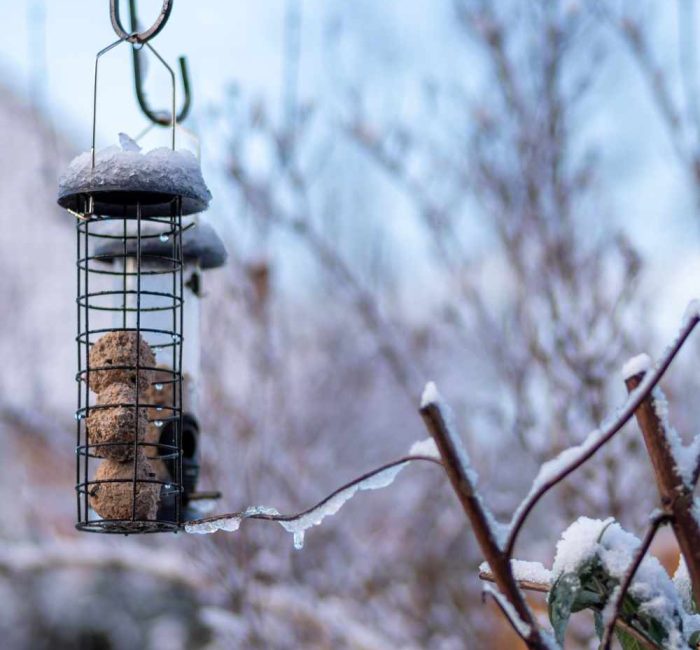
438,421
676,494
616,605
521,628
528,585
231,521
599,438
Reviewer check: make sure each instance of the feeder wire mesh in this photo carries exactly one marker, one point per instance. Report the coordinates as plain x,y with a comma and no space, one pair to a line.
129,453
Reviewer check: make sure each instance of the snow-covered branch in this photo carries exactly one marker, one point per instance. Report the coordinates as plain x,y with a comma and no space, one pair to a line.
299,523
674,474
556,470
439,421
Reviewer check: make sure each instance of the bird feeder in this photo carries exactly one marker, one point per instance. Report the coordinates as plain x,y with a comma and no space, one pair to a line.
130,325
202,249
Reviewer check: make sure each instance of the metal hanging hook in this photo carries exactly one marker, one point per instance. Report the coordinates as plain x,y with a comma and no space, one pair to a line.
162,118
135,36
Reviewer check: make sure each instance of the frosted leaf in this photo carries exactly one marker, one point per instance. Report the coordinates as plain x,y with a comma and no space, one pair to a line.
425,447
615,548
636,365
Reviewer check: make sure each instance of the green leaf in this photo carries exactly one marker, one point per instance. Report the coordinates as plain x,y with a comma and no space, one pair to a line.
598,622
627,641
561,602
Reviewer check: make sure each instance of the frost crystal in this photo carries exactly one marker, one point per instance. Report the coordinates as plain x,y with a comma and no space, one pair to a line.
526,571
636,365
425,447
685,458
314,517
230,524
430,395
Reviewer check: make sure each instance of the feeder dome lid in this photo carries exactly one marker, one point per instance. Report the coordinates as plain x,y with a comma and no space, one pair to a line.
200,244
124,176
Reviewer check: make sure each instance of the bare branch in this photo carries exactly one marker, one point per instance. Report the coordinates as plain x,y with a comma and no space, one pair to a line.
656,522
676,495
528,585
597,439
521,628
463,480
267,515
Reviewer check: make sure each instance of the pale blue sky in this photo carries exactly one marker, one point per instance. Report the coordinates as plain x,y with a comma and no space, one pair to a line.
395,44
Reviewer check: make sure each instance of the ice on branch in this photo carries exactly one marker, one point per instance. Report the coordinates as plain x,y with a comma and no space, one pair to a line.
430,395
425,447
686,457
521,626
636,365
524,571
299,525
230,523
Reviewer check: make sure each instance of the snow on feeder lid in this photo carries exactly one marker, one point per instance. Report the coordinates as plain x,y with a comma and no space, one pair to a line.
124,175
130,332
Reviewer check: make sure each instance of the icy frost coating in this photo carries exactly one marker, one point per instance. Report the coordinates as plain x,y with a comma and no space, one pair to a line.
636,365
314,517
686,457
425,447
526,571
229,524
521,626
126,167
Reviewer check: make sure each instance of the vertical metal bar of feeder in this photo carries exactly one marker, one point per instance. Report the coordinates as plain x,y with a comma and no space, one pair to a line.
94,94
138,355
79,376
124,270
181,262
173,363
86,461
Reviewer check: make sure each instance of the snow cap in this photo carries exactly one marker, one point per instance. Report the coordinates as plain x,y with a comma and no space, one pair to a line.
124,176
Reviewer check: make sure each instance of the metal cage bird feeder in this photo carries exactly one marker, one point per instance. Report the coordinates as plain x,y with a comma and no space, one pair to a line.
202,250
130,321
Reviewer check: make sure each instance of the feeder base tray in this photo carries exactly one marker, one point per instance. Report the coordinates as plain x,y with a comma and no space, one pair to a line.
127,527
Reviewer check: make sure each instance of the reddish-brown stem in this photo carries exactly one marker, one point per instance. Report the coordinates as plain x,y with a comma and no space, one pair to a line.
637,397
481,522
676,496
656,523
